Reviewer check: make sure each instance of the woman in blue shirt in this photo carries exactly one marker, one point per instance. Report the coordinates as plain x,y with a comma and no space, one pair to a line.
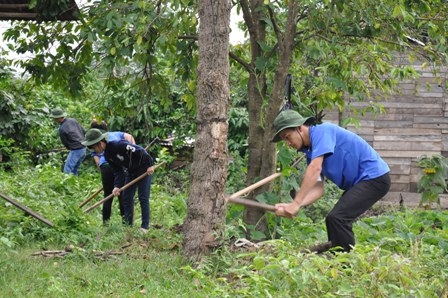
344,158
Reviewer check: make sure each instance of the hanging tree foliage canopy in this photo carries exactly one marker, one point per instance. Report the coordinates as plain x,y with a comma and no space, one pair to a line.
131,49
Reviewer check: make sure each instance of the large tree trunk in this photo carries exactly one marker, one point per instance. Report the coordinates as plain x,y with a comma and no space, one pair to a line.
206,204
262,154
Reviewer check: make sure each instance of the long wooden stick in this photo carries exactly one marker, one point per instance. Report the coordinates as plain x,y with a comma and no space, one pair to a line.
262,181
101,188
251,203
91,197
234,198
121,189
27,210
255,185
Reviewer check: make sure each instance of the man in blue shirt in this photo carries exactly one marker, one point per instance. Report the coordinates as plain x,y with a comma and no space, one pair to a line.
344,158
71,134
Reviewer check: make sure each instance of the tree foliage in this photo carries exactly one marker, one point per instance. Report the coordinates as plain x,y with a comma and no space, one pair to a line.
136,56
24,115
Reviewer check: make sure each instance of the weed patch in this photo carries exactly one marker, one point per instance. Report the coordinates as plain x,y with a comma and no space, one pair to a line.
399,253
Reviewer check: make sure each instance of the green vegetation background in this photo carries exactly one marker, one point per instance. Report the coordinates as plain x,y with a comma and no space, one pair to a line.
400,252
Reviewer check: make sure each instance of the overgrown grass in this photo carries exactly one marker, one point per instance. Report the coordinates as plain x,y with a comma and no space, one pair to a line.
142,270
400,253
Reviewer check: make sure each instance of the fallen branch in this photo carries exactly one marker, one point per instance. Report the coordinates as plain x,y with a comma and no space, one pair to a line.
50,253
60,253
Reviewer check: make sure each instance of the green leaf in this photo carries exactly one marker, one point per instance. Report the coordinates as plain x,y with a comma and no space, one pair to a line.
257,235
397,11
7,242
260,63
259,262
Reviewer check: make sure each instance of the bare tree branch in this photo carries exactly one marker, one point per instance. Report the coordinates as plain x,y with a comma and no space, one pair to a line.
277,30
247,16
238,59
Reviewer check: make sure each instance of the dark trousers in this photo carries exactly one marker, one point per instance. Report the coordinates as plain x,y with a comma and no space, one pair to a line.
143,187
351,205
107,179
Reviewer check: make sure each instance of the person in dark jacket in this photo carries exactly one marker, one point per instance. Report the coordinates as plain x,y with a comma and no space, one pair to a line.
71,134
342,157
107,174
122,155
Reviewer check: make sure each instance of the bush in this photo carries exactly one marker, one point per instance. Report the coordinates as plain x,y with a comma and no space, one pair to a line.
432,181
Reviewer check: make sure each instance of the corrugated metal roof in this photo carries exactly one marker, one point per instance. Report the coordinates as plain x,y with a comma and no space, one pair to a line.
19,10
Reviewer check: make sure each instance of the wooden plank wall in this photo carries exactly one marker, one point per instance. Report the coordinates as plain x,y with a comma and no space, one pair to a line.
415,124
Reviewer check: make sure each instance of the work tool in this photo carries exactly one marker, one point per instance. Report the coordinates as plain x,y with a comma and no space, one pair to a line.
91,197
27,210
251,203
123,188
236,199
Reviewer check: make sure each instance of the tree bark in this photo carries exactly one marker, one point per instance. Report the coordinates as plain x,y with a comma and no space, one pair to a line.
263,107
206,204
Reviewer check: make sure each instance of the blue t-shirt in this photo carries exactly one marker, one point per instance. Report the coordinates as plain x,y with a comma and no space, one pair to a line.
111,136
348,158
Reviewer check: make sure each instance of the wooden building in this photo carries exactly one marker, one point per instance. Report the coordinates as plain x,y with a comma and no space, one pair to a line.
415,124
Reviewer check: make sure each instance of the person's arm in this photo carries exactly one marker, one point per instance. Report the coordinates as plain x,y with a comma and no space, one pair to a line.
64,137
96,158
311,177
150,170
118,179
310,190
314,194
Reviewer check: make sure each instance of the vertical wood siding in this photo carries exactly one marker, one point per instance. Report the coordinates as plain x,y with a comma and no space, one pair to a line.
415,123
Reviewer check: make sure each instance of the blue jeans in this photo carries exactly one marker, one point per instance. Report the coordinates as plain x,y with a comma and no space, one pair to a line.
144,189
74,160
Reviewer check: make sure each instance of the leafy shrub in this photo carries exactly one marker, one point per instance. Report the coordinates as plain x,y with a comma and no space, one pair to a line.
278,268
433,178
